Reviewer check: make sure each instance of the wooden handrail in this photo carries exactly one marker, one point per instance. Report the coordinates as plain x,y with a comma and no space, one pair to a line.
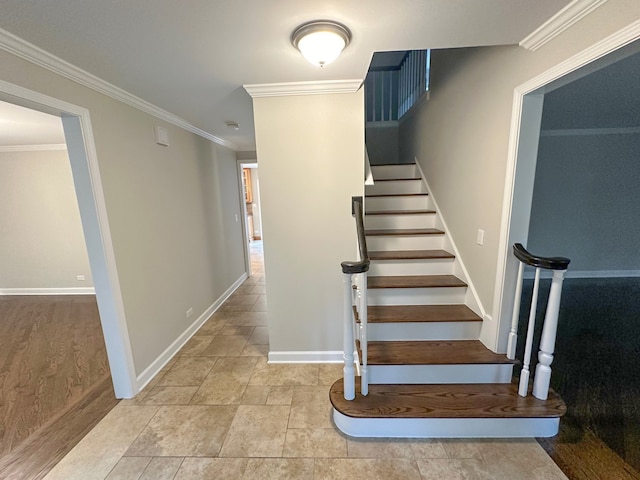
548,263
362,265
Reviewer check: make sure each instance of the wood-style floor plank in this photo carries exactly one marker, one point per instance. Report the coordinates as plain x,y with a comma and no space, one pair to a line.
410,255
52,354
493,400
421,313
453,352
415,281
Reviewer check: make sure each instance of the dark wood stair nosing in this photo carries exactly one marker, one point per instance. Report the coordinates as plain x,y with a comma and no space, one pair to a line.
398,179
400,212
420,314
370,195
391,255
406,232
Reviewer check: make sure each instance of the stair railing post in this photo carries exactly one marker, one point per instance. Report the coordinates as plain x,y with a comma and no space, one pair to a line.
523,387
542,377
364,372
513,333
348,340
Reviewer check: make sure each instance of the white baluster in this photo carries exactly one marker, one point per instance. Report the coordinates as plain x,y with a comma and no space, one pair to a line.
548,339
364,385
348,340
513,334
524,374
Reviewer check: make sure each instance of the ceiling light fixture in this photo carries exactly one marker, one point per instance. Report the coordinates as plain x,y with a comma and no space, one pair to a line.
321,42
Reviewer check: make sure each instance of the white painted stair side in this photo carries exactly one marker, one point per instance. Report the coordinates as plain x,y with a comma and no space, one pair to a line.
423,331
416,296
408,170
395,187
400,221
399,202
440,266
405,242
440,374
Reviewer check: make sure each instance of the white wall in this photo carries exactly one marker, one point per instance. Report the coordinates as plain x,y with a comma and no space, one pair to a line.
171,211
42,244
461,135
310,152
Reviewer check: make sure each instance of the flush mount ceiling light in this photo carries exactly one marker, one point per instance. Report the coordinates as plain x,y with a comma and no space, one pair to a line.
321,42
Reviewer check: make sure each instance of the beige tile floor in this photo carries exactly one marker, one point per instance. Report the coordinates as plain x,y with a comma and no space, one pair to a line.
218,410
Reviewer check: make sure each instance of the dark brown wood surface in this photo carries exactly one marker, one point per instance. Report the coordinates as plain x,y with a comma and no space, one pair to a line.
397,179
410,255
404,231
488,400
415,281
401,212
452,352
421,313
397,195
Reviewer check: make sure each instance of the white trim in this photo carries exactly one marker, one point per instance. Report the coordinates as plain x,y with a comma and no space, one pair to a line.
49,291
159,363
474,293
571,132
557,24
303,88
27,51
32,148
529,274
623,37
446,427
307,357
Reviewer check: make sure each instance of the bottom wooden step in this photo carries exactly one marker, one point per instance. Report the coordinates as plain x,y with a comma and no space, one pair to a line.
445,411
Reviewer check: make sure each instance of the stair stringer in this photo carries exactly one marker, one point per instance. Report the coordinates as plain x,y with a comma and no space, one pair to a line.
472,300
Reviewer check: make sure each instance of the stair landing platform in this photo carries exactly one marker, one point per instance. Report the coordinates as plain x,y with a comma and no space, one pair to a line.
445,411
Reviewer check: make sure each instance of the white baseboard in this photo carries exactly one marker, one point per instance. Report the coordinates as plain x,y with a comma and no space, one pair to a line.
49,291
529,274
158,364
307,357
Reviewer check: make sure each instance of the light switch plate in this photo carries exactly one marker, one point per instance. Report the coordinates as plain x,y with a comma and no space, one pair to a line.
162,135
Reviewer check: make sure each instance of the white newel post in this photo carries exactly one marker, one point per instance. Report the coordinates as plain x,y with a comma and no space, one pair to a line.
348,340
548,340
364,385
513,333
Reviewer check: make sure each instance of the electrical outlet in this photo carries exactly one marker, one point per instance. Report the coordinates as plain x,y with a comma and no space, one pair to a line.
80,278
480,237
189,312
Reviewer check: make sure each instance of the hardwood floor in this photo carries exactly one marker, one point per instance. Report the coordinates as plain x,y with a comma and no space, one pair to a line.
53,366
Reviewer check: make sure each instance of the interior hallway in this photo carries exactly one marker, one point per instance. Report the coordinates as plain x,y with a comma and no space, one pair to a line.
219,410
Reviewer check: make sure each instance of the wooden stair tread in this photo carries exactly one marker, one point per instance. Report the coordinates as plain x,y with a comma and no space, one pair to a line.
410,255
369,195
421,313
405,231
415,281
487,400
453,352
401,212
398,179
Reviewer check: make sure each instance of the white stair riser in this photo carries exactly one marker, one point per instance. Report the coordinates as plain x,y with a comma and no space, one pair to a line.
424,331
394,171
391,222
440,374
396,187
412,202
411,267
404,242
446,427
416,296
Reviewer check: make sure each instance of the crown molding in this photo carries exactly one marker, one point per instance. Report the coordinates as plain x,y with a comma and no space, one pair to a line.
303,88
27,51
32,148
557,24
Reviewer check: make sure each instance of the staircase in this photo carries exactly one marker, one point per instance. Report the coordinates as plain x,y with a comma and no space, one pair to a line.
429,375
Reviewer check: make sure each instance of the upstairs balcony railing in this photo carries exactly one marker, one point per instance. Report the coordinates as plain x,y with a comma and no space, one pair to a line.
355,308
542,378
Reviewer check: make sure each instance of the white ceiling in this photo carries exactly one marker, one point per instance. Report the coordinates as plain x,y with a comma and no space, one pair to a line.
22,126
192,58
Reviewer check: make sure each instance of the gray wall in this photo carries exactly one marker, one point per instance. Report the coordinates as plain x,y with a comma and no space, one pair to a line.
382,144
41,244
172,212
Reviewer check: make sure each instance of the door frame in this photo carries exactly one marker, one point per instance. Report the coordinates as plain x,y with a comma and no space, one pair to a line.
243,208
521,161
78,133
